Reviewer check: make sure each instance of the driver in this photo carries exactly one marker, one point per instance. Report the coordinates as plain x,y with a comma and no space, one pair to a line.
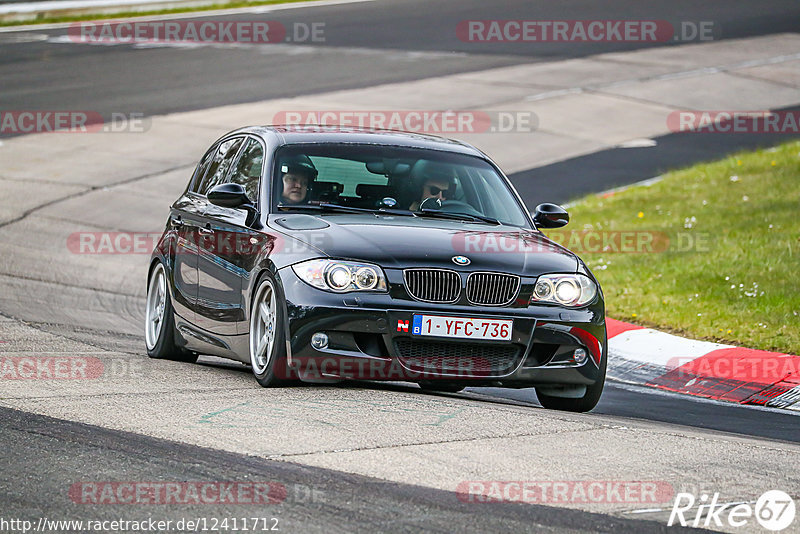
436,183
297,173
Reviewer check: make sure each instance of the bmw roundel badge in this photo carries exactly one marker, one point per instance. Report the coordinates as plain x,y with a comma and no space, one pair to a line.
461,260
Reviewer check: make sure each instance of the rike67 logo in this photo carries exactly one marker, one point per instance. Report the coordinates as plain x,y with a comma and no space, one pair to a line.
774,510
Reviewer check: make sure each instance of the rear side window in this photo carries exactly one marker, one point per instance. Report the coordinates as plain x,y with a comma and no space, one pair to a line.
220,164
248,169
201,169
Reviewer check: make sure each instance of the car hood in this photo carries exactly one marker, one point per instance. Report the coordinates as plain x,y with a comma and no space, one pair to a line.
401,242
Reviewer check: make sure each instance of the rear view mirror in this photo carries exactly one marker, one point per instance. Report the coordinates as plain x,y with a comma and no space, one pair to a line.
550,216
388,166
376,167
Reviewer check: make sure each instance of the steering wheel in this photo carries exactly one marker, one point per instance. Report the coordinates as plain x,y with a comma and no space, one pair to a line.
457,206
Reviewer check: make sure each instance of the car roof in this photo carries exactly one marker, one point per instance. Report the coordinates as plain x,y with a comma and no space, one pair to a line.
303,134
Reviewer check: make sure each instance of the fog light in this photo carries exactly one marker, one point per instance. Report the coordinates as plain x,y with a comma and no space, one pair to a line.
319,341
579,355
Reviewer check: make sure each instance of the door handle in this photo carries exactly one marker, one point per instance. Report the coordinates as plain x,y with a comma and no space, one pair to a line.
175,221
206,230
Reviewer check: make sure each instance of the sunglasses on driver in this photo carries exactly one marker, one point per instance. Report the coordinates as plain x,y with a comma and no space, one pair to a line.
447,193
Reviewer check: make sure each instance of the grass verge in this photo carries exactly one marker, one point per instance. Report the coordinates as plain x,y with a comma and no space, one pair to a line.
723,261
128,14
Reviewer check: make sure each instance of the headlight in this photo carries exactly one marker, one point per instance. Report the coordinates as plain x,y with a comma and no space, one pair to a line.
564,289
341,276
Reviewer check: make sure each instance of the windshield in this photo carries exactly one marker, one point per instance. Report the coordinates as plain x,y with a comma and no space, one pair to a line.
371,178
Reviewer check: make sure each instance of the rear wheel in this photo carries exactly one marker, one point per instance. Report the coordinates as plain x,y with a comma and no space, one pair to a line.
267,332
159,330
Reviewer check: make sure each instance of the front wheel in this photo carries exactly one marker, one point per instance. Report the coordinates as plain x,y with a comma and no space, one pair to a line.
267,332
159,329
581,404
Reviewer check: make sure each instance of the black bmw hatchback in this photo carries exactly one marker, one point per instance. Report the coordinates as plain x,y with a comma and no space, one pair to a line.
327,254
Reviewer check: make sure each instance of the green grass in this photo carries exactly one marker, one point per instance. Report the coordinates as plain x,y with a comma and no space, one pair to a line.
127,14
743,285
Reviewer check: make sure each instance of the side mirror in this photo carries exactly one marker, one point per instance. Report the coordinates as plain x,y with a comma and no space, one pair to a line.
233,196
228,196
550,216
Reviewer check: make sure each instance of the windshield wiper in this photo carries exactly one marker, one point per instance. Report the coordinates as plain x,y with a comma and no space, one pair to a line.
457,216
344,209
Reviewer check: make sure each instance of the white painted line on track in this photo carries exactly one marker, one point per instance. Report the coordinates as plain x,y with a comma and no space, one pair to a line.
192,14
284,48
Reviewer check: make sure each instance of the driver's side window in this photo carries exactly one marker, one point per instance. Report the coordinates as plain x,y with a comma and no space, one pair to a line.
220,164
247,172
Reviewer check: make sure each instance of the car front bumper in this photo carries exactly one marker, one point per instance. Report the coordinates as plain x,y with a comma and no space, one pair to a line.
370,338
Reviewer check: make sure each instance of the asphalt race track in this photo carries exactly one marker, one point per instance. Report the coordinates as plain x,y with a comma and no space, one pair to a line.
367,44
365,457
339,502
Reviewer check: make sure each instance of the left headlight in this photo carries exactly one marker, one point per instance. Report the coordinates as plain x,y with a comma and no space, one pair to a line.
341,276
565,289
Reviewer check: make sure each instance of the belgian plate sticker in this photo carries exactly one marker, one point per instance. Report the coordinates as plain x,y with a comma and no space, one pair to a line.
416,326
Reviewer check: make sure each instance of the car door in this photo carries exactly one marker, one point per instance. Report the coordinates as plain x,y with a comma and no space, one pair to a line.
220,247
184,220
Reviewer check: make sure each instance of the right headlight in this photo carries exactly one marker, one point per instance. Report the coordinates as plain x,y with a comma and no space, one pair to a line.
341,276
571,290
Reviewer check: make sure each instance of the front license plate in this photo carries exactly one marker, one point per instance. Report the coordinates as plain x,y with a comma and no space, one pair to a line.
462,327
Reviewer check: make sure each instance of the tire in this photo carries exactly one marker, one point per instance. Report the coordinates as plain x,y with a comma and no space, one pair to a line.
159,328
443,387
267,332
581,404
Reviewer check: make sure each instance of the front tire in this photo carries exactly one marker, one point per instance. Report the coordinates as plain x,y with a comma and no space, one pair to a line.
581,404
159,329
267,332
